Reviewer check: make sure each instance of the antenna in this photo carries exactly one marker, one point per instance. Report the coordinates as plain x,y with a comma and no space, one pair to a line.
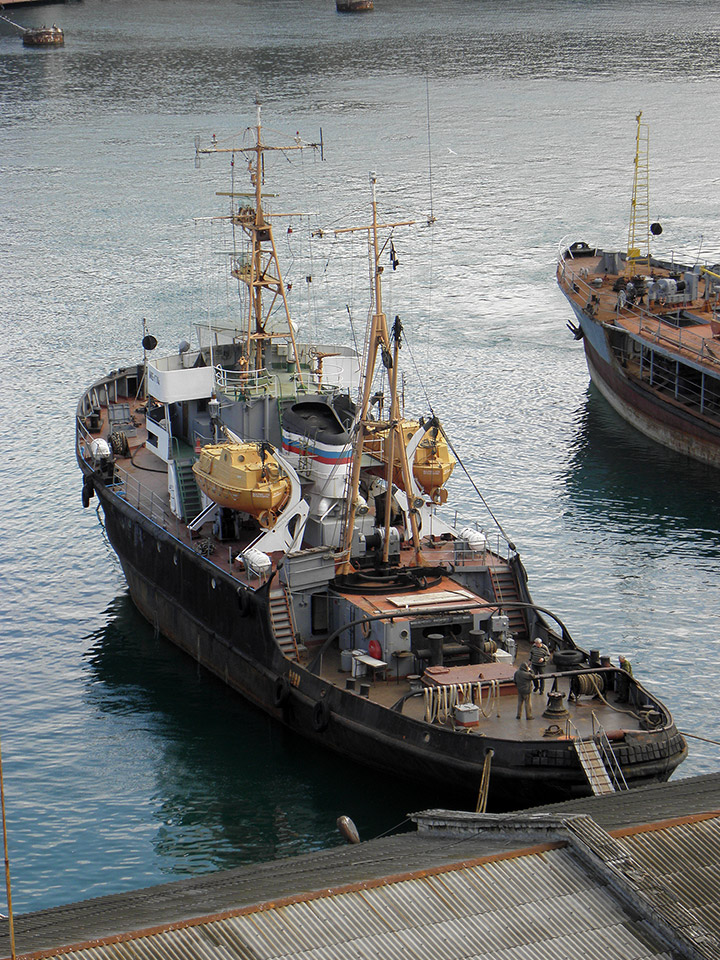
639,231
431,218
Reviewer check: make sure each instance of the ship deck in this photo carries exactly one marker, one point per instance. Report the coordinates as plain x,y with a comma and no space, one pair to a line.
686,329
585,715
142,480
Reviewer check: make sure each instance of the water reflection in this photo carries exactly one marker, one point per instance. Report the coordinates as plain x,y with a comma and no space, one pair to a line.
228,784
615,472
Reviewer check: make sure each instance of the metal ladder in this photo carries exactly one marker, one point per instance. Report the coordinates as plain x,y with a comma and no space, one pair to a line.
281,620
592,763
598,760
505,590
188,489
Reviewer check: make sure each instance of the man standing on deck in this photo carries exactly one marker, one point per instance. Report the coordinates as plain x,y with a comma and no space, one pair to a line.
539,656
524,682
623,686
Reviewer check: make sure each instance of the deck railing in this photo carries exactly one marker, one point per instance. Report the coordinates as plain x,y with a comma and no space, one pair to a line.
246,385
149,502
649,326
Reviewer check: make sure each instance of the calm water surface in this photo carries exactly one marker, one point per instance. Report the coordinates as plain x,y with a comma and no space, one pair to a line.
124,764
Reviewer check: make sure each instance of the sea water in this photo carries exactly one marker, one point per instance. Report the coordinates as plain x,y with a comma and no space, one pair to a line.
511,125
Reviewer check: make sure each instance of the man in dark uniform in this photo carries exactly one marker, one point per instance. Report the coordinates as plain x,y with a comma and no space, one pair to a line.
539,657
625,690
524,682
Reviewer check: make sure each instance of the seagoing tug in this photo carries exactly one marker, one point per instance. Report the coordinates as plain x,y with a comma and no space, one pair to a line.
280,519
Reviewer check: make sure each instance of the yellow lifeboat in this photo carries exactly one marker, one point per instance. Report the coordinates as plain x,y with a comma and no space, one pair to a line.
433,462
243,476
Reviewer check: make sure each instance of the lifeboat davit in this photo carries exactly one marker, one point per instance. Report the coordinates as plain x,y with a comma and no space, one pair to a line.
433,462
243,476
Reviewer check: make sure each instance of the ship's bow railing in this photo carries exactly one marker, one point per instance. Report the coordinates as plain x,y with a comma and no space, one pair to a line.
149,502
650,327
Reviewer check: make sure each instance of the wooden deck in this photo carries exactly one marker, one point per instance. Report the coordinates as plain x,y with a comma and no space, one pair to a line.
498,716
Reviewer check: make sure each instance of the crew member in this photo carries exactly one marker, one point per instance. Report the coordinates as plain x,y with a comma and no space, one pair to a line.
623,682
524,682
539,656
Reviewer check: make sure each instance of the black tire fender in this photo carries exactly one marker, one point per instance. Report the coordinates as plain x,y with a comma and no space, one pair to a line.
282,691
246,601
568,658
88,491
321,716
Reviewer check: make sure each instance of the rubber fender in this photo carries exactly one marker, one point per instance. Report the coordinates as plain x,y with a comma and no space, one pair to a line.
348,829
88,491
282,691
321,715
568,658
246,602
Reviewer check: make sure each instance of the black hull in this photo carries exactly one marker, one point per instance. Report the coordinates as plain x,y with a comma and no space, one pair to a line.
225,628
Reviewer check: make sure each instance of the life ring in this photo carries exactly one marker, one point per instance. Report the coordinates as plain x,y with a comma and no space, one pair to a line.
282,691
265,519
321,715
365,628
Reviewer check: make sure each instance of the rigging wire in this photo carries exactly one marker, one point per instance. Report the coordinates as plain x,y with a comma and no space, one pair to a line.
427,97
454,451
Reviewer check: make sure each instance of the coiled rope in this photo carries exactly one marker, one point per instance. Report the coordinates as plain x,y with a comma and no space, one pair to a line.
440,701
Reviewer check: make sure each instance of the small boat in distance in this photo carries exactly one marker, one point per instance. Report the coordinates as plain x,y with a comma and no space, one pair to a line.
279,517
353,6
43,37
650,327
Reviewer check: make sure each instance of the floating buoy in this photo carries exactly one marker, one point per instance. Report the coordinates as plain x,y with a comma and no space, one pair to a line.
348,829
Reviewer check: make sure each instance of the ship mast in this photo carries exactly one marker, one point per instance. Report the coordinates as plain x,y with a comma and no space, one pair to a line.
260,272
378,345
639,230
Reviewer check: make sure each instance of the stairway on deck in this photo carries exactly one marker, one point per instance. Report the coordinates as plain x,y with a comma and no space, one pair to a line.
595,770
281,620
189,492
506,593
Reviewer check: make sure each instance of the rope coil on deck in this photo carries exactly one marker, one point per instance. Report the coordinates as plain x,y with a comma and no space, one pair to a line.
440,701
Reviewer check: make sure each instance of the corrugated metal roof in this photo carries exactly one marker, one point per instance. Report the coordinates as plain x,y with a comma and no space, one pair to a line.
538,905
686,856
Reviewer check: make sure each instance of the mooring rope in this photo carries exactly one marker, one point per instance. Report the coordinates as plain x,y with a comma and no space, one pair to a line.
439,701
